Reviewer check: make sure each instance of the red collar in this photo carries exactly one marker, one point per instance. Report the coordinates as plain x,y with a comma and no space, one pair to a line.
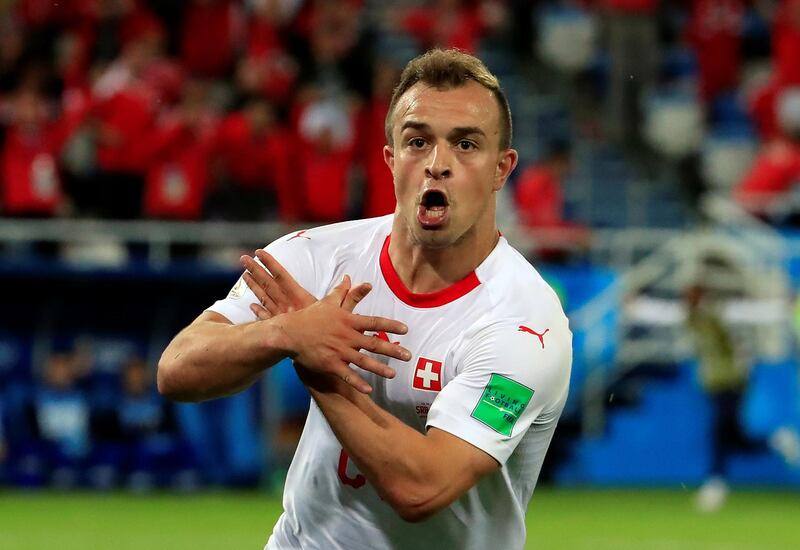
433,299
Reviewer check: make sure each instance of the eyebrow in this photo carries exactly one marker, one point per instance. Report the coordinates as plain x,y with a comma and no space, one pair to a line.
453,134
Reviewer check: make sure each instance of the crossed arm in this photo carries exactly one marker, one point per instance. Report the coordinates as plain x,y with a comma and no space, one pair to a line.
417,474
213,358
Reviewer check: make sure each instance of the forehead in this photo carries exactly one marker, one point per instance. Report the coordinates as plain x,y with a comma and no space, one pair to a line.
470,105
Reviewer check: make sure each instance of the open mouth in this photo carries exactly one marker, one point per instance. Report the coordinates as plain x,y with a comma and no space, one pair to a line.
433,207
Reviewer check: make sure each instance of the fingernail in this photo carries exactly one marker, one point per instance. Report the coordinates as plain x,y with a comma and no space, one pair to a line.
406,355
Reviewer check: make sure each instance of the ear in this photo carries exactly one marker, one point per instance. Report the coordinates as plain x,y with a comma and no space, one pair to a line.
388,157
506,163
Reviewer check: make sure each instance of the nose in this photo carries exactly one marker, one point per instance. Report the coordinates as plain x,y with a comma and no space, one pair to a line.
438,165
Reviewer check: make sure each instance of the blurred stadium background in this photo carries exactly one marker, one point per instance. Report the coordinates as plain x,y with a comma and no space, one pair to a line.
145,145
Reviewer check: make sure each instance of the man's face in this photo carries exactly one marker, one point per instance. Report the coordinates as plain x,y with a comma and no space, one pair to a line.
446,162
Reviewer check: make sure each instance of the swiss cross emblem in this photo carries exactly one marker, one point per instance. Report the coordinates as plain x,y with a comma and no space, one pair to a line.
428,375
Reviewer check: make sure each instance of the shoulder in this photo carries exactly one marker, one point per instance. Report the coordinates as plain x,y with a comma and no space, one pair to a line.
329,242
515,289
523,332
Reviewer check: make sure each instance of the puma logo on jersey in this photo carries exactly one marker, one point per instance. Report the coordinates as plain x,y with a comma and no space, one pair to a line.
523,328
299,235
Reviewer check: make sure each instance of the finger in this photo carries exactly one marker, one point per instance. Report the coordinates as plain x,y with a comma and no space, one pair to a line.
261,312
261,294
364,323
281,276
265,281
337,295
368,363
355,295
351,377
382,347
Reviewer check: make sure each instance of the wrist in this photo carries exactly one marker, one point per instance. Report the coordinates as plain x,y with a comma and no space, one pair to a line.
275,339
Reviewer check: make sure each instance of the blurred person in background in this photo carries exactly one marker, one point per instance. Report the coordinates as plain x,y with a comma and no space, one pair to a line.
714,30
539,202
266,67
61,416
29,171
765,188
148,431
326,150
124,113
333,53
456,24
723,370
211,37
379,198
178,167
250,167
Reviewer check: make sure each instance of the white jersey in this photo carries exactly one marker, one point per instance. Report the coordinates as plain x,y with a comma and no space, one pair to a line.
490,364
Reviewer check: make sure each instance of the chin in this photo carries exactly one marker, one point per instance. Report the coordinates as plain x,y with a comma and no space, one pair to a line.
434,238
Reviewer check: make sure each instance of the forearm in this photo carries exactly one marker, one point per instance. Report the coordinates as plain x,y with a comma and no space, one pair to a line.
209,359
394,457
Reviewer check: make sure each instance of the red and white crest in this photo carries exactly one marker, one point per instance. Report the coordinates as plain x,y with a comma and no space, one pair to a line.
428,375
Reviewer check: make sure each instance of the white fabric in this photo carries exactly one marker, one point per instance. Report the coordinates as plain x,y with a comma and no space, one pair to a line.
474,336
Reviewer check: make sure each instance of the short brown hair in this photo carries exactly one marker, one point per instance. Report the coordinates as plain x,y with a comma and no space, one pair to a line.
445,69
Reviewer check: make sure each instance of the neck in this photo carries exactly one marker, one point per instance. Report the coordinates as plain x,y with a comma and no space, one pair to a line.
424,270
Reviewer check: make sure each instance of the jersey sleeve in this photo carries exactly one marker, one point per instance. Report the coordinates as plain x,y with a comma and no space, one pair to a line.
507,380
295,255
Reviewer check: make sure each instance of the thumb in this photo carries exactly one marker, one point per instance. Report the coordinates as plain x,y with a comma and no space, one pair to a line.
337,295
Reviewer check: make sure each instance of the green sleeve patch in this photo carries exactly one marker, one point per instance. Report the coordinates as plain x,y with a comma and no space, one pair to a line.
502,403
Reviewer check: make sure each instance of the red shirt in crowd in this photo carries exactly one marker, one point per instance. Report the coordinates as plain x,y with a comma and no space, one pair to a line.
715,31
786,43
774,172
210,32
257,159
457,28
379,197
268,60
538,197
126,121
29,178
177,179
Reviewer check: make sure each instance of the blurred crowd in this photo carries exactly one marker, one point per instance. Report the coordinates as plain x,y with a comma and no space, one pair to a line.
274,109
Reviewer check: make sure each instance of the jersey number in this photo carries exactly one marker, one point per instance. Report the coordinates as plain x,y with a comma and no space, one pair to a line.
355,482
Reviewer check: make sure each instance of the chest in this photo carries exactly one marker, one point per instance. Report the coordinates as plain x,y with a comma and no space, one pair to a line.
435,339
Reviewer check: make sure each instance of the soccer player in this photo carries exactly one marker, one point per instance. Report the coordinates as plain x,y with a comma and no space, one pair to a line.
436,436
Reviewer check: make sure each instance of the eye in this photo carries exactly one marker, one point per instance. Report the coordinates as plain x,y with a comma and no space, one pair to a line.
466,145
417,143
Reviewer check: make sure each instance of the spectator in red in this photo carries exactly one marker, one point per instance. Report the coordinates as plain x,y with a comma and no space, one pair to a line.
776,168
715,32
379,198
327,153
333,54
266,67
177,178
125,110
209,40
452,23
31,185
539,202
786,43
250,167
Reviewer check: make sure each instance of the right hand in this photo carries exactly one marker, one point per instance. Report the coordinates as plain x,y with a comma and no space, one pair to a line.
323,336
